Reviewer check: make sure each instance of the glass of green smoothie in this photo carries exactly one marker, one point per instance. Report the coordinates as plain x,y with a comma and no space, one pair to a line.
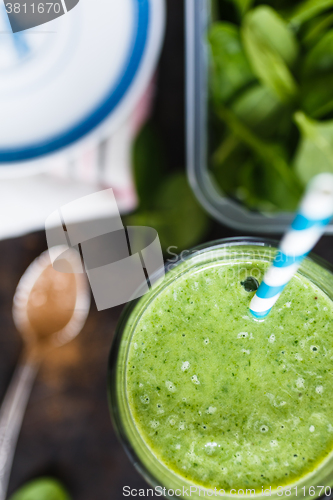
209,401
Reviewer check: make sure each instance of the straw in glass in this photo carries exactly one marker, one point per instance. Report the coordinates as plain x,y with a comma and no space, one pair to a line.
315,212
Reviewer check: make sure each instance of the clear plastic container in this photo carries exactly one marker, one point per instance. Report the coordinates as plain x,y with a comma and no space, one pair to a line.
220,206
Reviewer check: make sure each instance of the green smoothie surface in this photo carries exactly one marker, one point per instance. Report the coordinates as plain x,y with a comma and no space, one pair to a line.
226,401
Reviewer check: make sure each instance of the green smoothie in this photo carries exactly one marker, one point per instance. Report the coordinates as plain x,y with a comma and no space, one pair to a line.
223,400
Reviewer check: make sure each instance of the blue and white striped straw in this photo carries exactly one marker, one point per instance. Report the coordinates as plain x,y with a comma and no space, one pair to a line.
315,212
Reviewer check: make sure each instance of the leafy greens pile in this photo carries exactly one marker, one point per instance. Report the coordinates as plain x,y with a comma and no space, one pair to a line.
272,98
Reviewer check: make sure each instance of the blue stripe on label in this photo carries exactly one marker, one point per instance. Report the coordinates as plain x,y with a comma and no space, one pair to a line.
259,314
142,9
301,223
283,260
267,292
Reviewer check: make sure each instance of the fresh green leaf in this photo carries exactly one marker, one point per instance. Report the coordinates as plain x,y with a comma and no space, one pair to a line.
177,217
320,58
248,178
230,69
229,144
260,187
317,86
214,10
309,9
315,29
243,5
251,189
315,153
238,174
270,154
228,160
274,32
274,191
259,109
317,96
272,49
148,164
41,489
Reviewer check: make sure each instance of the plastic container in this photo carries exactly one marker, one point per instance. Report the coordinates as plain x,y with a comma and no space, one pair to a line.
222,208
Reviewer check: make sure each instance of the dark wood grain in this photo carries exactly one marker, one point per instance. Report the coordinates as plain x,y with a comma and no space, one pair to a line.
67,431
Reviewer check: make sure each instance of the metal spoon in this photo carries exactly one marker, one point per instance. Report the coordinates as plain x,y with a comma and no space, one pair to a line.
49,310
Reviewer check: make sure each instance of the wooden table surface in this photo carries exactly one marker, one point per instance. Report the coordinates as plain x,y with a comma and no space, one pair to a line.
67,431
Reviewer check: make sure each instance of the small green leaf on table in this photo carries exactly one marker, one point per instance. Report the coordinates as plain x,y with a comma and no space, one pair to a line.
41,489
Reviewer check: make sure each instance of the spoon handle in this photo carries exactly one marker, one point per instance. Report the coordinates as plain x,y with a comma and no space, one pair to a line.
11,415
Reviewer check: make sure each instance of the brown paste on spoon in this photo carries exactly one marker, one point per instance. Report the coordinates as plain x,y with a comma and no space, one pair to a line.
51,302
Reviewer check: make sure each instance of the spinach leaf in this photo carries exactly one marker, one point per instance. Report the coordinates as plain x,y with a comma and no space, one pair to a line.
214,10
177,216
315,29
271,155
238,173
264,188
274,191
259,109
317,96
247,177
250,189
273,32
309,9
41,489
271,48
148,164
317,79
315,153
228,161
243,5
320,58
230,68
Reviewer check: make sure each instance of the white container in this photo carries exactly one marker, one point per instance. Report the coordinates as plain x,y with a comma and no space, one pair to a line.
75,78
73,95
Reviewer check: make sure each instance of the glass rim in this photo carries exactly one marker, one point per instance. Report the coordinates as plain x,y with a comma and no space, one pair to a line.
256,241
